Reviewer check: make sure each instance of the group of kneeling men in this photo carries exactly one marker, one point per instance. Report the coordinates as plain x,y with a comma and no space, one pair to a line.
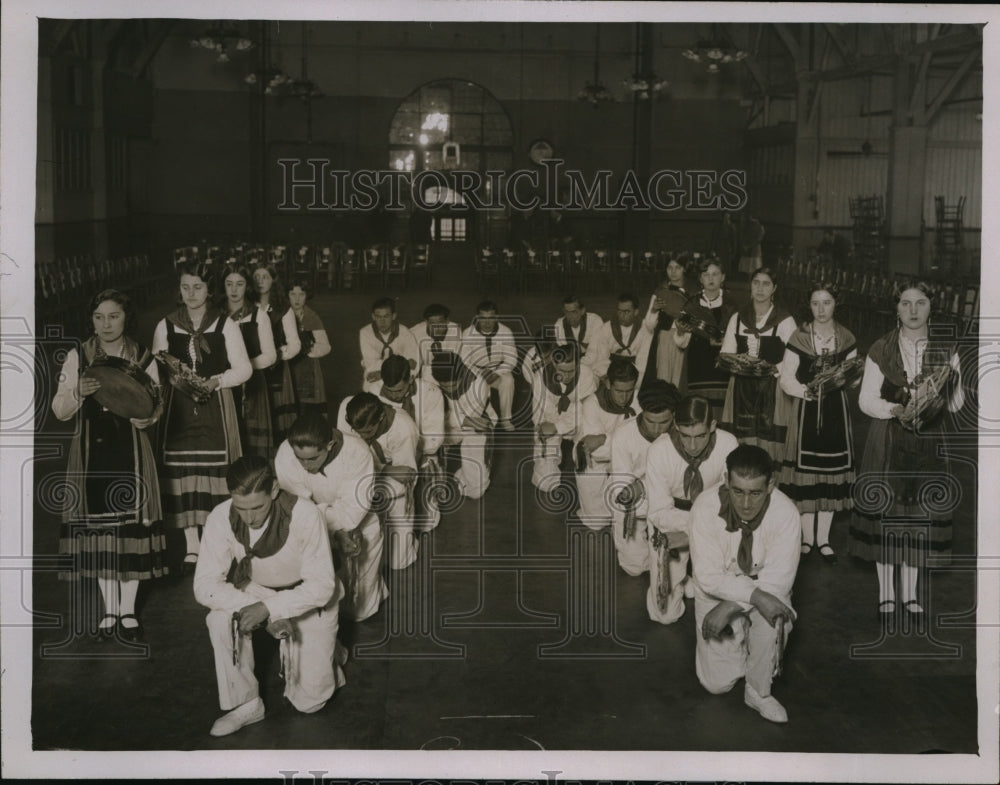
652,465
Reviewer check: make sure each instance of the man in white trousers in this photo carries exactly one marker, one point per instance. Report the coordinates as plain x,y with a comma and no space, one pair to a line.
628,489
679,466
745,539
265,562
469,421
335,471
557,392
489,349
392,437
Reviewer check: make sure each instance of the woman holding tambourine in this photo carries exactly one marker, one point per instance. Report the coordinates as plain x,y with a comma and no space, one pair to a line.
821,361
204,356
910,379
253,403
755,411
701,332
112,521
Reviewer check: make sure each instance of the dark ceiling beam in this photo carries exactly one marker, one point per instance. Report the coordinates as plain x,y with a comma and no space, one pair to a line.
159,35
789,41
845,50
949,86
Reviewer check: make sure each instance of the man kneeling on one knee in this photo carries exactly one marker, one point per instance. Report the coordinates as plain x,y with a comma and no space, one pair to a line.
745,551
265,562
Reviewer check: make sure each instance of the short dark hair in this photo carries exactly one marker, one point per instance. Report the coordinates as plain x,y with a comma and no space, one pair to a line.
310,430
693,410
487,305
395,369
913,283
384,302
750,461
628,297
620,370
201,270
658,396
707,262
436,309
250,474
447,367
824,286
303,283
572,298
566,353
363,410
116,296
768,271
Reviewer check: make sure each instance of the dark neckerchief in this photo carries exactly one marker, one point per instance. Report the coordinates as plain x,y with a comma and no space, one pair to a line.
616,332
693,482
245,310
407,402
489,340
181,318
272,541
603,396
568,330
744,557
555,387
749,319
393,335
131,351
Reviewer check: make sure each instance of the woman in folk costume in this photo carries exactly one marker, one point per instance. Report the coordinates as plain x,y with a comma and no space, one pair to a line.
272,298
307,376
112,522
700,376
818,469
253,403
203,351
756,409
666,358
893,524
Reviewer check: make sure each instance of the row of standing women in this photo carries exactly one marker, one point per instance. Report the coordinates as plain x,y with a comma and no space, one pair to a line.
259,363
809,433
255,359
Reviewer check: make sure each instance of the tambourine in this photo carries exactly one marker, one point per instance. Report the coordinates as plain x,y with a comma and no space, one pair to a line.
126,389
836,377
688,314
744,365
183,379
928,399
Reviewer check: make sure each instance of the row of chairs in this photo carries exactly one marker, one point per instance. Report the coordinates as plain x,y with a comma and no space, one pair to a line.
64,287
337,265
866,302
591,269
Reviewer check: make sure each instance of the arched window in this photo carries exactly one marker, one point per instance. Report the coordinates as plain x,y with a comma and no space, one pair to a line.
450,110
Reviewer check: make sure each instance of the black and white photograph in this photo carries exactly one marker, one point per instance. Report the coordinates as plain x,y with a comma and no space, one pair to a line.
549,391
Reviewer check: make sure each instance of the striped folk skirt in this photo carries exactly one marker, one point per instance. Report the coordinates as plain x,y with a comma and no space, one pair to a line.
200,442
284,409
111,523
757,412
818,468
253,405
904,497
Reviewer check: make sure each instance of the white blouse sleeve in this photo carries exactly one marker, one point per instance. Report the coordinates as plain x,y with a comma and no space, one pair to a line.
870,398
239,364
789,366
67,401
265,333
729,340
292,343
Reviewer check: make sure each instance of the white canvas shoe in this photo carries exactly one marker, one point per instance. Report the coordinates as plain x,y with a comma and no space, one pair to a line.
768,707
250,712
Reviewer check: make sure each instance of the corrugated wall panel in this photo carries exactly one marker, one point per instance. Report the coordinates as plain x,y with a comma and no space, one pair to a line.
953,172
842,178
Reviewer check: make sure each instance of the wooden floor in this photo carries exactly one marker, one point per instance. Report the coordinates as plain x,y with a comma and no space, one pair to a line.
515,630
